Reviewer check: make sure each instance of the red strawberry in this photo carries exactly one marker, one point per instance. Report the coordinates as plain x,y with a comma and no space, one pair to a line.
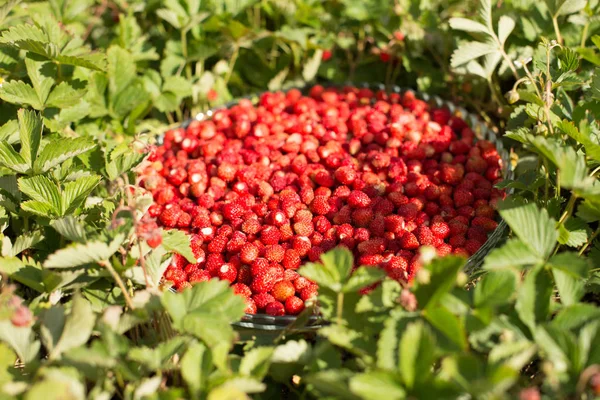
320,205
294,305
251,307
372,246
275,308
440,229
248,253
282,290
262,300
218,244
199,276
242,290
228,272
170,215
270,235
408,241
274,253
291,259
309,292
359,199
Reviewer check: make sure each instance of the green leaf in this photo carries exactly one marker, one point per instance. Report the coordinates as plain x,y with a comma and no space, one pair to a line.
30,133
566,7
377,385
592,149
334,270
78,326
9,132
575,315
158,358
256,362
38,208
52,326
311,67
574,232
533,226
505,27
6,8
514,253
20,339
596,85
533,300
417,354
196,366
24,242
363,277
467,25
177,241
42,190
515,354
12,160
70,228
19,92
78,254
64,95
74,193
121,69
443,273
449,324
495,288
60,150
570,273
470,51
42,76
212,297
333,382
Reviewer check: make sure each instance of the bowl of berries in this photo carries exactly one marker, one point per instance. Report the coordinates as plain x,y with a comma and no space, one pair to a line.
272,181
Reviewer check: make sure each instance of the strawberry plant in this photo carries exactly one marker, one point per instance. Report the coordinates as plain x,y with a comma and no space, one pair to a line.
93,223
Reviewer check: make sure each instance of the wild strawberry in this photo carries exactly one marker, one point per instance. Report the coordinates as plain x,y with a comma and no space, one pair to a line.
444,249
228,272
250,307
457,241
275,308
462,198
237,240
199,275
233,210
320,205
270,235
304,228
170,215
291,259
251,226
248,253
274,253
359,199
262,300
370,259
488,224
472,245
408,241
282,290
452,173
290,275
218,244
242,290
309,292
294,305
213,263
301,244
372,246
440,229
314,254
154,241
263,282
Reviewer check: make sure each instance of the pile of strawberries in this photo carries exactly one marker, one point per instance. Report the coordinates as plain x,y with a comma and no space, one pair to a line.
263,189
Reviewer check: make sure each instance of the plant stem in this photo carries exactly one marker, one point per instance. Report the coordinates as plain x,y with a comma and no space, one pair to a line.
584,34
559,38
590,240
119,281
184,50
340,308
568,209
234,57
